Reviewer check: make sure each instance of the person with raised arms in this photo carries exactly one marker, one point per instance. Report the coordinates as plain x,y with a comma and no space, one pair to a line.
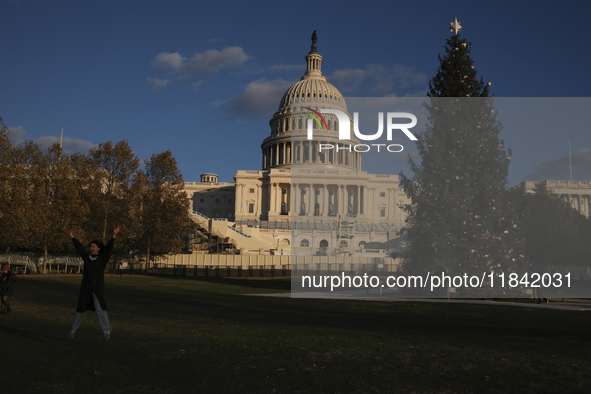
92,289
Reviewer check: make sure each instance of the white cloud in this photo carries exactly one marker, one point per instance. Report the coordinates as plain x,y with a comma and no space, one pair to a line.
558,169
157,83
378,80
199,65
197,84
69,145
347,80
213,60
259,100
16,135
166,60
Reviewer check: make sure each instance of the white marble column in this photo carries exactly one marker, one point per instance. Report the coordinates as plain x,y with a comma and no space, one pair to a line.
296,198
259,198
371,201
239,200
288,200
358,213
272,198
364,200
277,198
286,153
324,207
288,145
389,213
311,192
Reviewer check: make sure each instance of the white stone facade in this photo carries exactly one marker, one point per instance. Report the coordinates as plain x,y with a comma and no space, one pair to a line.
304,196
212,198
576,193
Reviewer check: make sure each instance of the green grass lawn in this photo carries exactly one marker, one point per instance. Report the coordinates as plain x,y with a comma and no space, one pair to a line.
205,336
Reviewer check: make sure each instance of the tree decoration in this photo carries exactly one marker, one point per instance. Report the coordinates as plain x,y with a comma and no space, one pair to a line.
458,197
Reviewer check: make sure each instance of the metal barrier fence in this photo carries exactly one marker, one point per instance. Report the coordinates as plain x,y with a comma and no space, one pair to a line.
206,264
218,271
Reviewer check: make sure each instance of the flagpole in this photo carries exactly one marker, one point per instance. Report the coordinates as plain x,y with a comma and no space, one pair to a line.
570,162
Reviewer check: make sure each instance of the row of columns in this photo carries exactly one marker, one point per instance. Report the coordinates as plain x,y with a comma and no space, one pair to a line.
580,202
283,124
277,154
365,201
309,152
277,198
340,200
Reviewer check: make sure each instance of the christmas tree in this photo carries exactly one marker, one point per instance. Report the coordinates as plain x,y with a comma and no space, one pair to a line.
460,219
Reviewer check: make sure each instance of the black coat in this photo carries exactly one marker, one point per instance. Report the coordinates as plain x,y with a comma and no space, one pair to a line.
93,277
8,282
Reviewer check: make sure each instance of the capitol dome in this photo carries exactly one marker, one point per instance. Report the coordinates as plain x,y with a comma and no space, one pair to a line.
313,87
288,143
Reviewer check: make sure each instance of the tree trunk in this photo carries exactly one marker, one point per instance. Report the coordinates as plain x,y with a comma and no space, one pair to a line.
105,229
148,256
45,257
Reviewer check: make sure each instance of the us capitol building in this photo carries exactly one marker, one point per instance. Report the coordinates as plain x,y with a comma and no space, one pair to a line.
303,197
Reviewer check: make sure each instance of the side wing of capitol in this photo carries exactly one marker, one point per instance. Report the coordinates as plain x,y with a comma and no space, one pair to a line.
310,193
576,193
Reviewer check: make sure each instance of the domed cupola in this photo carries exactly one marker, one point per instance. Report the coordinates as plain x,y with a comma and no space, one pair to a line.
288,142
312,86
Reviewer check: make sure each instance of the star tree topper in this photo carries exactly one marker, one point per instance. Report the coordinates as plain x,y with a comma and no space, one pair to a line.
455,26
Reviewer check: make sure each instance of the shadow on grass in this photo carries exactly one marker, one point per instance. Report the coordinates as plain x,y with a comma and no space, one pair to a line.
205,336
152,298
29,334
277,283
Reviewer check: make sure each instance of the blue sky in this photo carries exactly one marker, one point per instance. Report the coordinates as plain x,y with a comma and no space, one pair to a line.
183,75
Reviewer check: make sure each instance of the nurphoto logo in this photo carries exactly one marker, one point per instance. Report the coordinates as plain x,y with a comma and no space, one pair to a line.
344,128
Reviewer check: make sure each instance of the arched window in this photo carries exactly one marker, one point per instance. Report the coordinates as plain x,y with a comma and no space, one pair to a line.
344,243
305,243
285,242
362,243
324,243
